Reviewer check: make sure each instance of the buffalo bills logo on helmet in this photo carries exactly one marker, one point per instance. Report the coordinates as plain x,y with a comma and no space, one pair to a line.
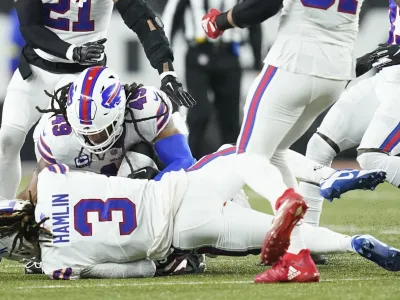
112,96
71,93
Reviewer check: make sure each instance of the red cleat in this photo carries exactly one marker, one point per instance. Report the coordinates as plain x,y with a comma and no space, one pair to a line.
291,268
290,210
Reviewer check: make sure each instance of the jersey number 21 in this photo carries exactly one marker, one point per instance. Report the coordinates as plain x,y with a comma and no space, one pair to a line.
84,24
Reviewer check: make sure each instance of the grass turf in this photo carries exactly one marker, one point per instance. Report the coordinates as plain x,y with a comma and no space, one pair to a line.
345,277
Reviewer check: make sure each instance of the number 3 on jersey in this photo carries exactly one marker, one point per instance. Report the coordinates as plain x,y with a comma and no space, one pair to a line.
104,210
345,6
84,24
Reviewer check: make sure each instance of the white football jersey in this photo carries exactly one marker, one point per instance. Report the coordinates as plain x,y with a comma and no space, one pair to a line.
58,144
394,31
97,219
316,37
76,22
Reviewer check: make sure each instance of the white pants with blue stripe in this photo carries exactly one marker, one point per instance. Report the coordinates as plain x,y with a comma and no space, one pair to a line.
280,107
209,222
367,114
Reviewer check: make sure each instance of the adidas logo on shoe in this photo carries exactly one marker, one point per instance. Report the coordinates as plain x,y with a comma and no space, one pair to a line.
292,273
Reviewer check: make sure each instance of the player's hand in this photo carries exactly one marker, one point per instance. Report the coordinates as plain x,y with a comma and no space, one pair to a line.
209,24
385,55
175,92
90,54
144,173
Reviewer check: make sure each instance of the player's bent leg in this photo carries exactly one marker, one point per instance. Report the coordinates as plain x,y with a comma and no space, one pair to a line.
382,161
271,110
19,115
383,134
11,141
341,129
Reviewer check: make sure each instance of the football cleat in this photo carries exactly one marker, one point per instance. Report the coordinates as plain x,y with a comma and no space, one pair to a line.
291,208
180,264
374,250
33,266
343,181
291,268
319,259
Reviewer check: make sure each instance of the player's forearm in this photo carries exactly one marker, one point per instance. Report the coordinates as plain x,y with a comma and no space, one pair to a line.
139,17
175,153
138,269
247,13
36,35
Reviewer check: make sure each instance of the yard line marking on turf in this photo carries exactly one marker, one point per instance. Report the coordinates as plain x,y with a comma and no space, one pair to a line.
157,283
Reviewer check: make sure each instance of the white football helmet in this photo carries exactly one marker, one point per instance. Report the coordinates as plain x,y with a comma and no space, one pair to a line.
96,108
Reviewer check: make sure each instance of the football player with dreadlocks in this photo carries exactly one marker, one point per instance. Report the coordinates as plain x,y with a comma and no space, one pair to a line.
96,119
19,232
66,37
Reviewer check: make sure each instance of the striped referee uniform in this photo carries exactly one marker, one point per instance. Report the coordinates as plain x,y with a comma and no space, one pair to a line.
211,66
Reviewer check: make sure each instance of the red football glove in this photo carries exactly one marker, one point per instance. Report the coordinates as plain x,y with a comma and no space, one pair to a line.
209,26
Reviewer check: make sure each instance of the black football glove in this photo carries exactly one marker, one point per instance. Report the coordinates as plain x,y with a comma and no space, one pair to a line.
144,173
383,56
175,92
89,53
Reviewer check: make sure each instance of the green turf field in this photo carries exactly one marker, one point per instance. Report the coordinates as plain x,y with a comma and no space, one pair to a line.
345,277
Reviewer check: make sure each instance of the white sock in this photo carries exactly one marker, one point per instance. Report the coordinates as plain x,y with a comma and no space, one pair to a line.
321,154
381,161
323,240
310,193
306,169
11,141
261,176
297,241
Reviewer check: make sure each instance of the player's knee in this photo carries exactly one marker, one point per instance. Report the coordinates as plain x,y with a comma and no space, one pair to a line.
372,160
320,150
11,141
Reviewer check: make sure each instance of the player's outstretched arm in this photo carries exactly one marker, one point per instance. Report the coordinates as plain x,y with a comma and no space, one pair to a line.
139,16
173,150
137,269
32,186
244,14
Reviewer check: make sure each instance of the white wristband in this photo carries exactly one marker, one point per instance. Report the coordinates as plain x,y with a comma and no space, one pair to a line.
70,52
164,74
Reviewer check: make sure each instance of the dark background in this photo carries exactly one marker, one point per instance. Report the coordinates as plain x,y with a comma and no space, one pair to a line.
27,151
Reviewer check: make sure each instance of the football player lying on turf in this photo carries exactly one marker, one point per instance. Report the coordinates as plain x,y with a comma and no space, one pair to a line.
101,224
94,119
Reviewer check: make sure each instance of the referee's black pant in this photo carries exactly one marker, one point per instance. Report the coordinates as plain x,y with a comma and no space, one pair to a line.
215,68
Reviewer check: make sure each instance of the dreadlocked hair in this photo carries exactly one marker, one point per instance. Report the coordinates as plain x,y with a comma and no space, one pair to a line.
60,97
23,223
131,90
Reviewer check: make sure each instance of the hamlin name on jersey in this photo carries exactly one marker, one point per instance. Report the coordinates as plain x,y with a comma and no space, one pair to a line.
97,219
58,144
